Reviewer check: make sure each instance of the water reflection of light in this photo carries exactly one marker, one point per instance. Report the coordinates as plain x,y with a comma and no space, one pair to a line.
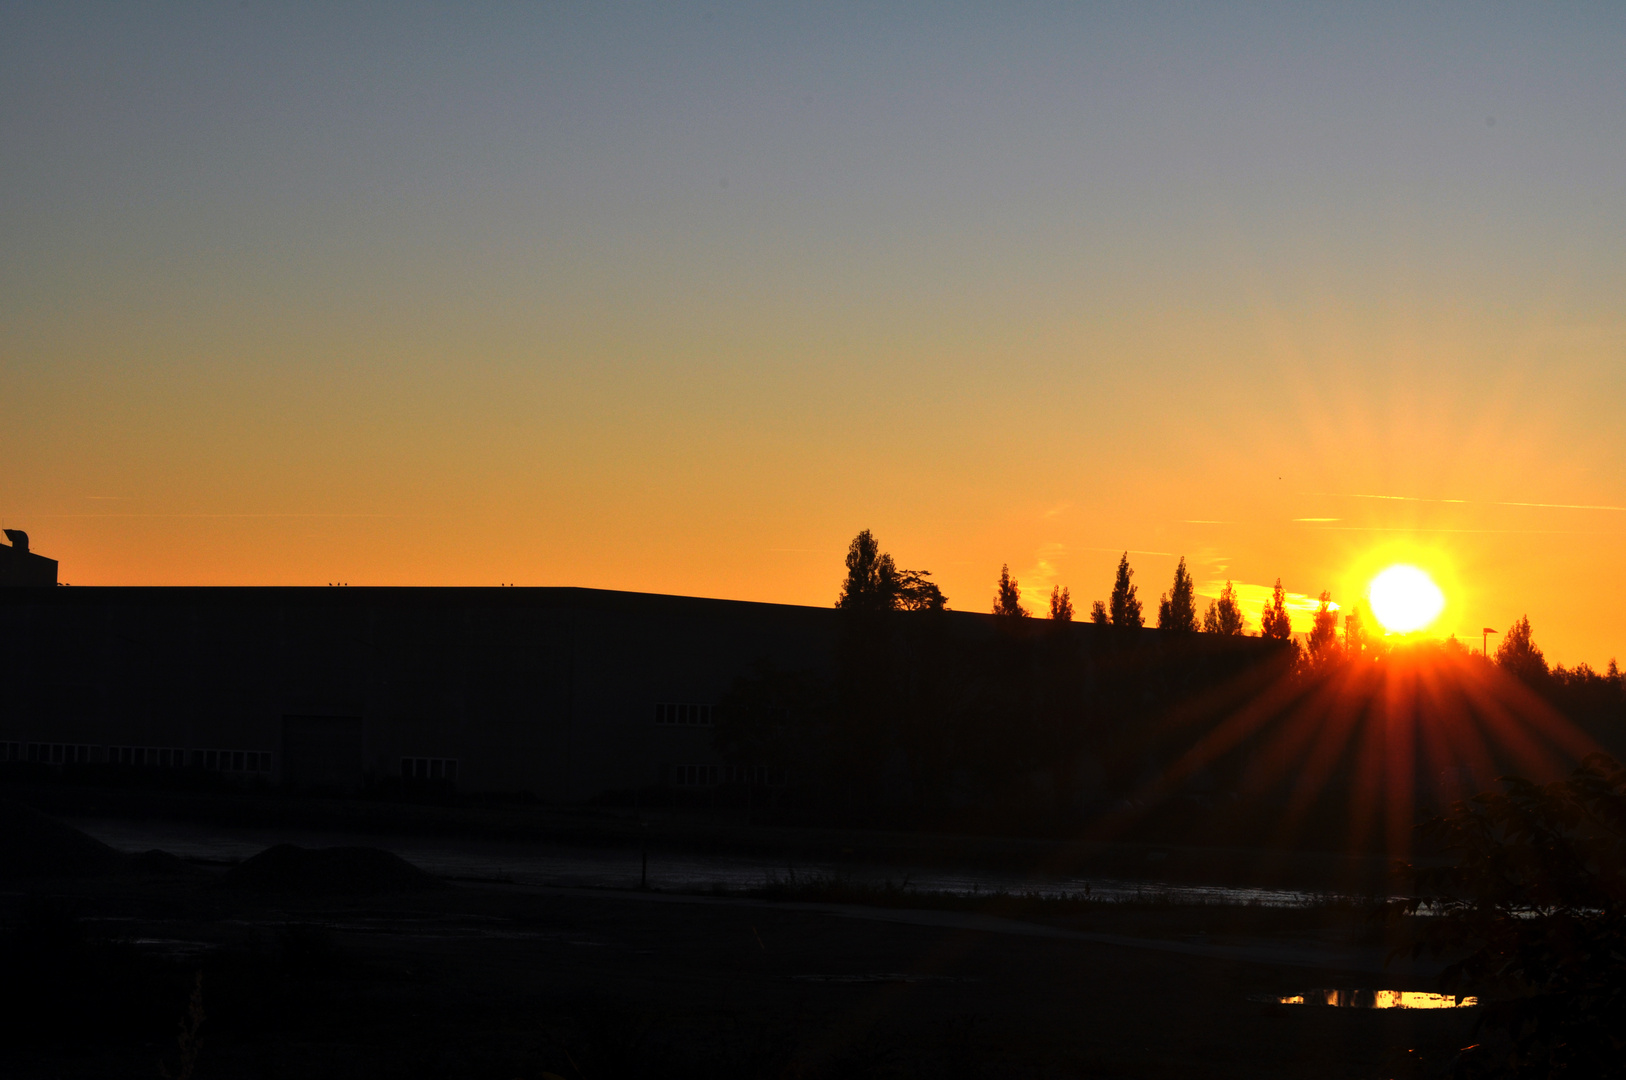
1375,999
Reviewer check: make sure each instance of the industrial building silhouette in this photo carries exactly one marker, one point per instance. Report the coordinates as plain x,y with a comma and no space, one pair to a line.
564,693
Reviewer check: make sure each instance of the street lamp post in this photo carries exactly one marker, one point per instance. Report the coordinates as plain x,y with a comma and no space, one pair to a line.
1484,642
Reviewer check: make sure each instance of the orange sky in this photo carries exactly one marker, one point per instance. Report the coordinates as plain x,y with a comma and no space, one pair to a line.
682,305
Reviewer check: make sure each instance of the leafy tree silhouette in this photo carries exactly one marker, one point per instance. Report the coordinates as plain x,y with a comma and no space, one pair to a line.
1519,655
1534,913
1098,614
1061,605
1177,609
1324,632
1123,606
1274,620
1008,598
1224,616
915,592
874,583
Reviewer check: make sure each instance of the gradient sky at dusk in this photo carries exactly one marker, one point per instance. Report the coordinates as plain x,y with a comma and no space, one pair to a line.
680,297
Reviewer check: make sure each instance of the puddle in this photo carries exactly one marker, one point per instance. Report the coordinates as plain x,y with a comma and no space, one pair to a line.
622,868
174,948
1371,999
878,977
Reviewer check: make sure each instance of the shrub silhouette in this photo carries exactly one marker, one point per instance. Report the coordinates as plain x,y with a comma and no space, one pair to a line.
1534,910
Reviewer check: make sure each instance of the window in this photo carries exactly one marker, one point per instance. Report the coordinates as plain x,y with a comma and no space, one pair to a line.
685,714
11,751
56,753
715,775
176,757
754,775
167,757
233,761
425,768
695,775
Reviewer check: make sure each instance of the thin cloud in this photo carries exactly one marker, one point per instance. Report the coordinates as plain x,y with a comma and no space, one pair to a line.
1392,498
1318,519
217,515
1464,502
1421,529
1561,506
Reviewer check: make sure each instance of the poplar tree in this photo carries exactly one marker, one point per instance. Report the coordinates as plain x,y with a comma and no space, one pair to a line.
1008,598
872,578
1224,616
1354,634
1324,632
1061,605
1098,614
1124,608
1177,608
1274,620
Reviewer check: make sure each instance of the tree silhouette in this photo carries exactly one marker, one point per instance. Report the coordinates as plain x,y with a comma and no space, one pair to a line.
1224,616
1324,632
1519,655
1008,598
1533,915
1177,609
1354,634
874,583
1061,605
1274,620
872,579
916,593
1123,606
1098,614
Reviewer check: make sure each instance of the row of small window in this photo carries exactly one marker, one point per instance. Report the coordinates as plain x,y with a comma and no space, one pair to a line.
174,757
169,757
672,712
428,768
50,753
233,760
715,775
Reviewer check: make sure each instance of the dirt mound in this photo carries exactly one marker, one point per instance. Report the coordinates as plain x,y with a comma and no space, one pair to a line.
287,868
160,863
35,846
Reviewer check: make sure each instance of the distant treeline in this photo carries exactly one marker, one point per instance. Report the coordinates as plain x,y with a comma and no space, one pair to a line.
932,718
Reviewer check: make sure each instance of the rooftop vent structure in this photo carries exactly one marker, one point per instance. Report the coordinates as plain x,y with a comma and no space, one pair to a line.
19,566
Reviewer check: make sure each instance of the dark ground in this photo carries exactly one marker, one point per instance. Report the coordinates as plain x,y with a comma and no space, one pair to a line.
503,981
365,970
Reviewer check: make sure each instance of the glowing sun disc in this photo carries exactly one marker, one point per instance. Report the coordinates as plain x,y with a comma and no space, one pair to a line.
1404,599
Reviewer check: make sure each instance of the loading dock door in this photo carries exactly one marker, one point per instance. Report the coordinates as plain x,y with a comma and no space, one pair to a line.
322,752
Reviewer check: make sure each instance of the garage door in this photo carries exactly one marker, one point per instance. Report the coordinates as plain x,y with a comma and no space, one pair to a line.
322,752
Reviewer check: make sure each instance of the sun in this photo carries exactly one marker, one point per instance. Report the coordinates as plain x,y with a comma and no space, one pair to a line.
1404,599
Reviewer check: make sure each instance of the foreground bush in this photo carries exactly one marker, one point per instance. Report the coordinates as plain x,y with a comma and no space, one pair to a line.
1533,915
